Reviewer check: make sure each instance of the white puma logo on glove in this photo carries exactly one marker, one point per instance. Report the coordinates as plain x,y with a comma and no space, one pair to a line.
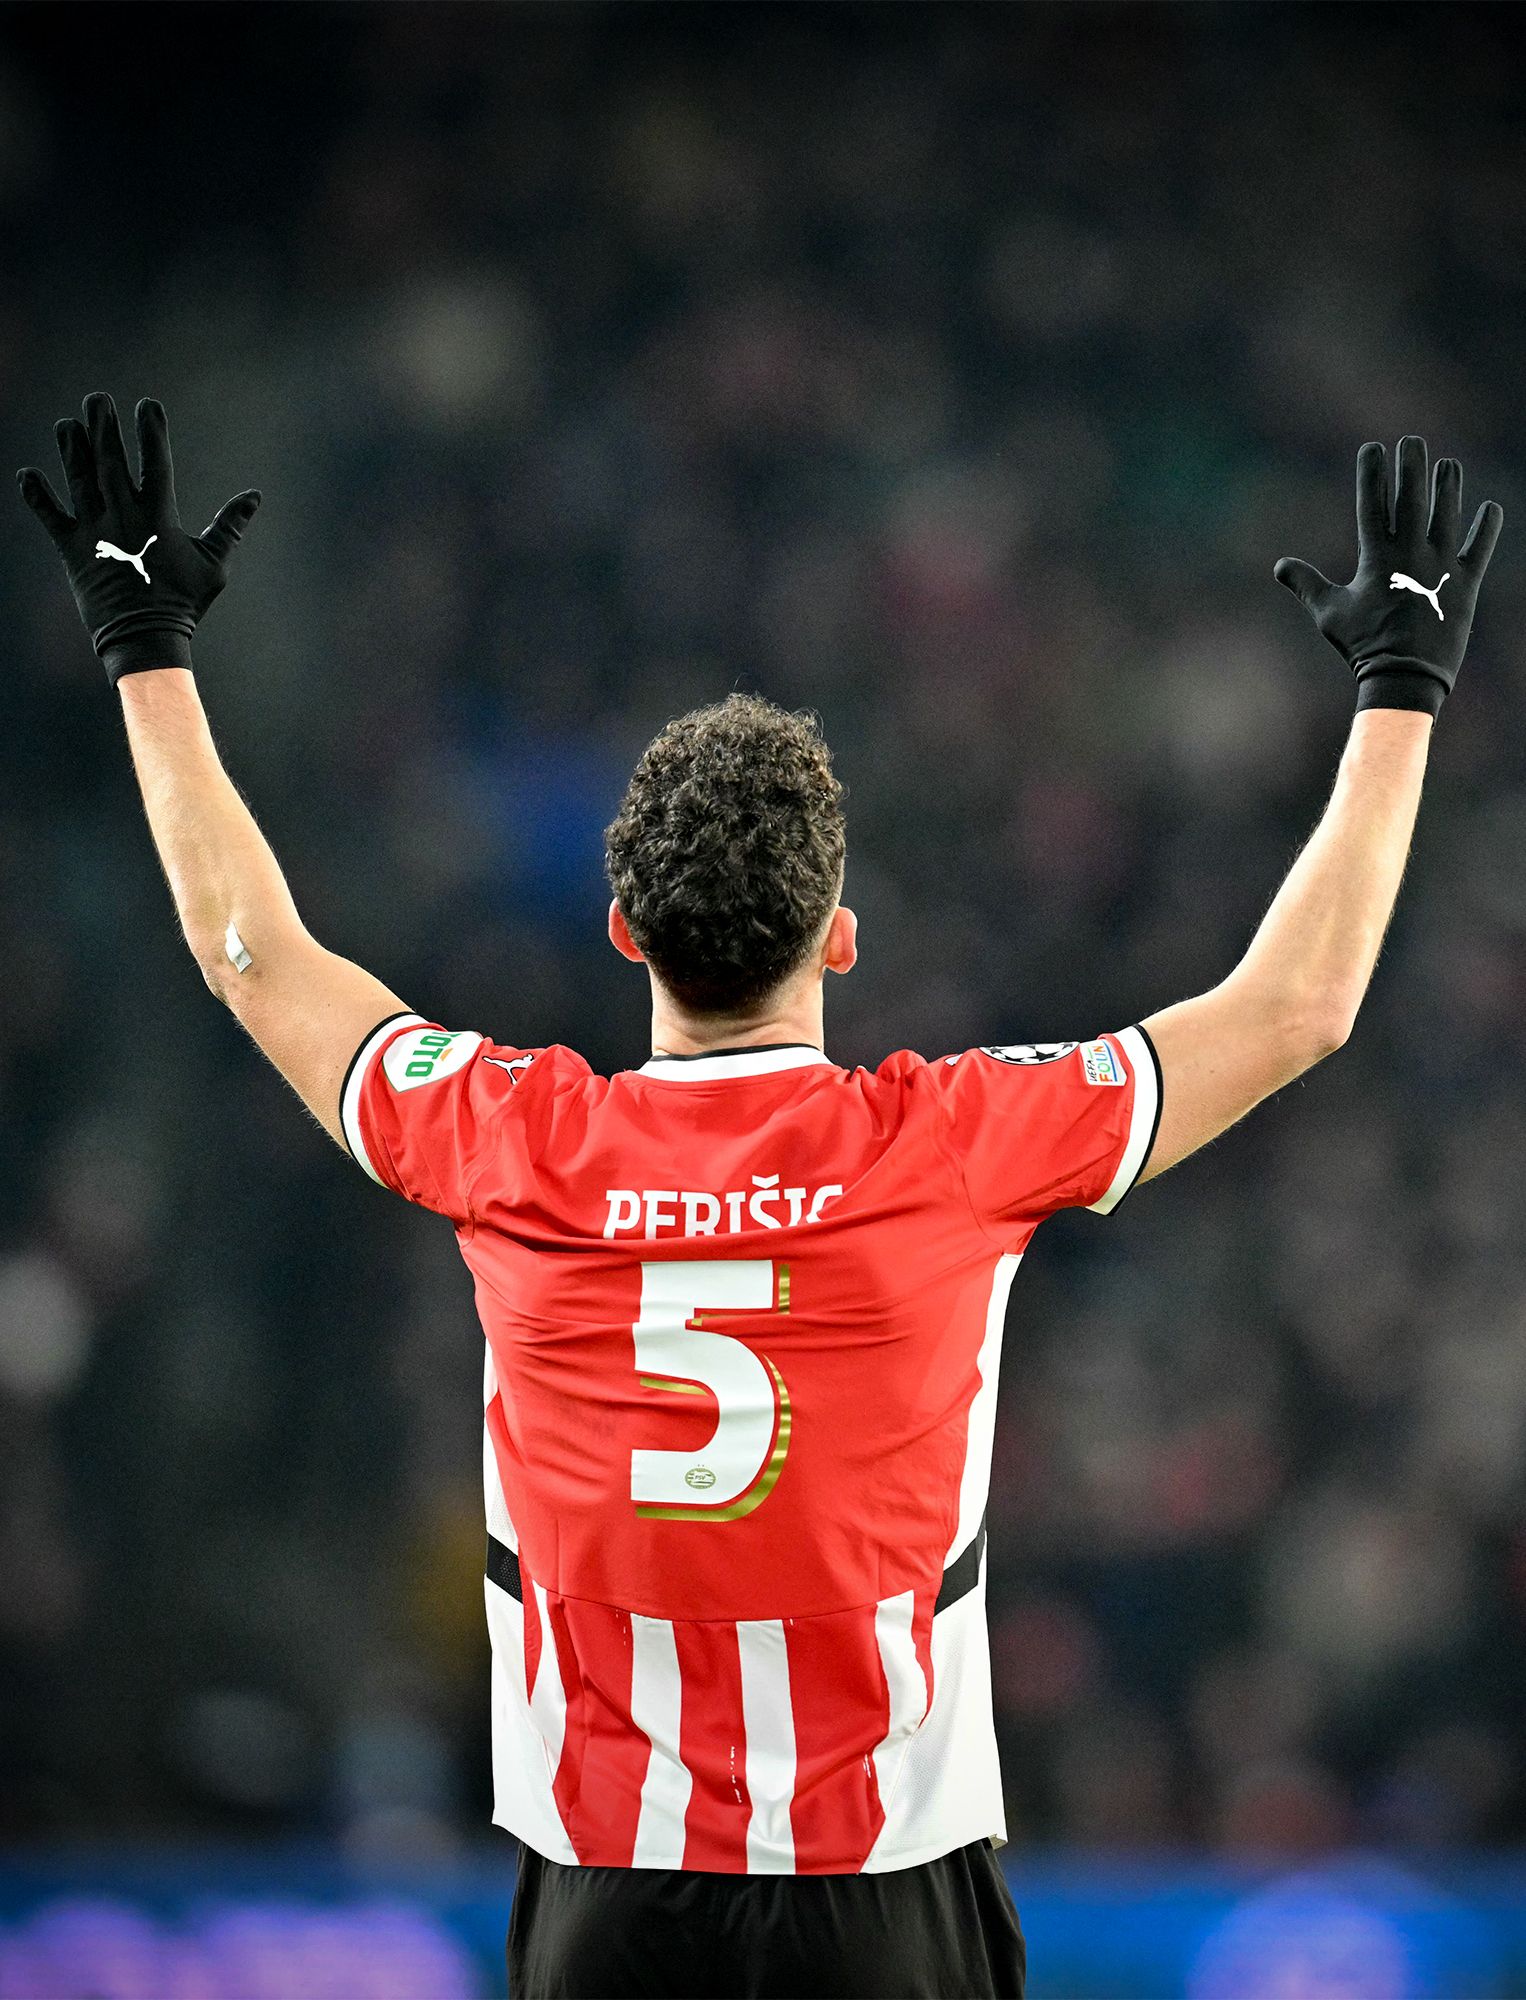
1399,581
103,549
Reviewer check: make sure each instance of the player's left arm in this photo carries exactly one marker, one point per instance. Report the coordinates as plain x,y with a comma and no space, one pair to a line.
307,1008
142,583
1293,998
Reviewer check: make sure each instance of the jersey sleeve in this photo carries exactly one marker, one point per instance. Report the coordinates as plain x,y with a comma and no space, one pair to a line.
1042,1126
427,1111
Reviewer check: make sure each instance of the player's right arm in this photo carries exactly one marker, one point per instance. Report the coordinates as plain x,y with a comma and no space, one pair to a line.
141,584
1293,998
305,1007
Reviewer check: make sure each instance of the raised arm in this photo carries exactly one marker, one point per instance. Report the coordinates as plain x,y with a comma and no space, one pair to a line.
141,584
1294,997
307,1008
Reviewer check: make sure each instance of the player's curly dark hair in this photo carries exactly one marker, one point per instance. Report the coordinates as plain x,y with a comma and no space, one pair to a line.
726,856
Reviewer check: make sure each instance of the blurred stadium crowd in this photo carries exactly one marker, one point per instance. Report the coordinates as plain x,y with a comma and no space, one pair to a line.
959,373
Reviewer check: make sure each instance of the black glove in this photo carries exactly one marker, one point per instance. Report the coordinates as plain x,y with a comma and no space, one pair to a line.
1402,622
140,581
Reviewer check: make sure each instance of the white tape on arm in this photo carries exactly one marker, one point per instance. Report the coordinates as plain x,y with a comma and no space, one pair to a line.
234,946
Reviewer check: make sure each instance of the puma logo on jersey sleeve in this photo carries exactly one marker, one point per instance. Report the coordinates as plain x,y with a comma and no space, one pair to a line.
515,1068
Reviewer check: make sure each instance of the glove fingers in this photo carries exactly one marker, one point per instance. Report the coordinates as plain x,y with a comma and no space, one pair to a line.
1446,505
1371,496
156,470
1410,484
220,536
1475,552
1307,584
110,452
43,501
78,461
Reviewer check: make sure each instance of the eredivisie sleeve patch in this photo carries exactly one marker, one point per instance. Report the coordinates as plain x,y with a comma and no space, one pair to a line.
423,1109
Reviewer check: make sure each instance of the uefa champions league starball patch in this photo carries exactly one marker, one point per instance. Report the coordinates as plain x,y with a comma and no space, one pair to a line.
1025,1053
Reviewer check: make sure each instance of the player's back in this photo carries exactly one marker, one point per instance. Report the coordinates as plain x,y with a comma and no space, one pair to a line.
743,1316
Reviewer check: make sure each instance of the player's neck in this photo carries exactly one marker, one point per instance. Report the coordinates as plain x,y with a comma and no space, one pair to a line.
678,1034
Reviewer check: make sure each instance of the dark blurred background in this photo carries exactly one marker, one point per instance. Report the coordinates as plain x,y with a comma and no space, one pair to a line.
958,372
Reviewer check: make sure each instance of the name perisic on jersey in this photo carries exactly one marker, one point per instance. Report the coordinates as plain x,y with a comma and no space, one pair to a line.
764,1204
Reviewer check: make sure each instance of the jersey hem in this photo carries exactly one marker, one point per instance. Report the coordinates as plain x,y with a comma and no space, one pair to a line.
913,1857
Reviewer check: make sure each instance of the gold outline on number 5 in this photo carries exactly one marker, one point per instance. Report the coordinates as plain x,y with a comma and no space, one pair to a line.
768,1477
765,1482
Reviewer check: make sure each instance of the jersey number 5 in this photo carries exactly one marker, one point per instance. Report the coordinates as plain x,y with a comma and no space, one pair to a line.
677,1354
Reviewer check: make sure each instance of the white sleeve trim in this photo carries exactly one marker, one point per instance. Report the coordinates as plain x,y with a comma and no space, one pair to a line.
1145,1071
354,1083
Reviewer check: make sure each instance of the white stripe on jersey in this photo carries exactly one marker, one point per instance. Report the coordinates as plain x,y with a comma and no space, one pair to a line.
349,1104
657,1711
768,1722
1141,1125
548,1697
906,1685
498,1522
521,1782
975,1483
948,1791
519,1753
930,1795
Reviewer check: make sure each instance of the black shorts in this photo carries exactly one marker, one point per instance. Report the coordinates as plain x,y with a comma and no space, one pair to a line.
943,1931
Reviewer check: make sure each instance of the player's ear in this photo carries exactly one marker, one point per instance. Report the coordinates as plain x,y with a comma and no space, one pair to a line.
840,953
620,937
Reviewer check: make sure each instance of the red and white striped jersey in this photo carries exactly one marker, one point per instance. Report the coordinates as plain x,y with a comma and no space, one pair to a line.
743,1315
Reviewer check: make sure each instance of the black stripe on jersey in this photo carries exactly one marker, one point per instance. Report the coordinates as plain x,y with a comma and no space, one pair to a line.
503,1568
959,1579
963,1573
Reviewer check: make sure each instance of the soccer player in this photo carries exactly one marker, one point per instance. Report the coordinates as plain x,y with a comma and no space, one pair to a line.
742,1306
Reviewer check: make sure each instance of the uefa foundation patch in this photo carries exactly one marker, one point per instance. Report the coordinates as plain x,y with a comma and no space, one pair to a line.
1100,1064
